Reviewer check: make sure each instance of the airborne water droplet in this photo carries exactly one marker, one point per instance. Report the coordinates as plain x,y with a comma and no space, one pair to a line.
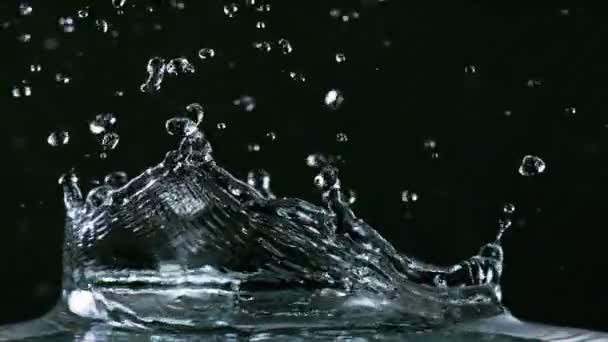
58,138
206,53
340,58
62,78
101,25
24,89
156,72
285,46
102,123
409,196
119,3
25,9
341,137
24,37
260,25
180,126
253,148
296,76
180,65
531,166
35,68
221,126
570,111
271,135
246,102
334,99
508,208
263,46
231,9
83,13
67,24
196,110
109,141
470,70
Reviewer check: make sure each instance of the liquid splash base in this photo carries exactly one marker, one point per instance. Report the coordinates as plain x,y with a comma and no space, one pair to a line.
186,248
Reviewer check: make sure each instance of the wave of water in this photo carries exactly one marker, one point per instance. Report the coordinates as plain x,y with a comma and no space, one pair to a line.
186,249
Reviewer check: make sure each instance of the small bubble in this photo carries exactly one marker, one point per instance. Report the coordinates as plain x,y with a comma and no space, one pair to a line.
180,65
221,126
508,208
116,179
298,77
271,135
196,110
206,53
246,102
531,166
101,25
231,10
408,196
102,123
260,25
533,83
24,89
180,126
285,46
83,13
24,37
253,148
62,78
58,138
67,24
334,99
263,46
25,9
35,68
570,111
109,141
341,137
340,58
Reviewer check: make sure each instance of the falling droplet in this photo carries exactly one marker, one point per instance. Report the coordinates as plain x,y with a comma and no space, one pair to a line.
253,148
178,4
260,25
430,144
110,141
508,113
119,3
470,70
246,102
67,24
116,179
156,72
25,9
408,196
119,93
296,76
35,68
180,127
22,90
351,197
570,111
564,11
195,109
24,37
531,166
341,137
259,179
231,10
285,46
180,65
340,58
334,99
263,46
221,126
58,138
508,208
271,135
62,78
206,53
533,83
335,12
83,13
103,122
101,25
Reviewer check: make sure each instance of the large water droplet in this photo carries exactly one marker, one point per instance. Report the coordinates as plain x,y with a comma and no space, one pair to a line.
246,102
334,99
340,58
58,138
156,72
206,53
197,111
180,65
109,141
180,127
24,89
102,123
102,25
531,166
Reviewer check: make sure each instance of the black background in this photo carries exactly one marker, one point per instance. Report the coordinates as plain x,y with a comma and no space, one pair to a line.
395,97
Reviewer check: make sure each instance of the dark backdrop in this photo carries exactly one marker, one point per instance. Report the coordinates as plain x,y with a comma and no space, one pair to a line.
404,81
